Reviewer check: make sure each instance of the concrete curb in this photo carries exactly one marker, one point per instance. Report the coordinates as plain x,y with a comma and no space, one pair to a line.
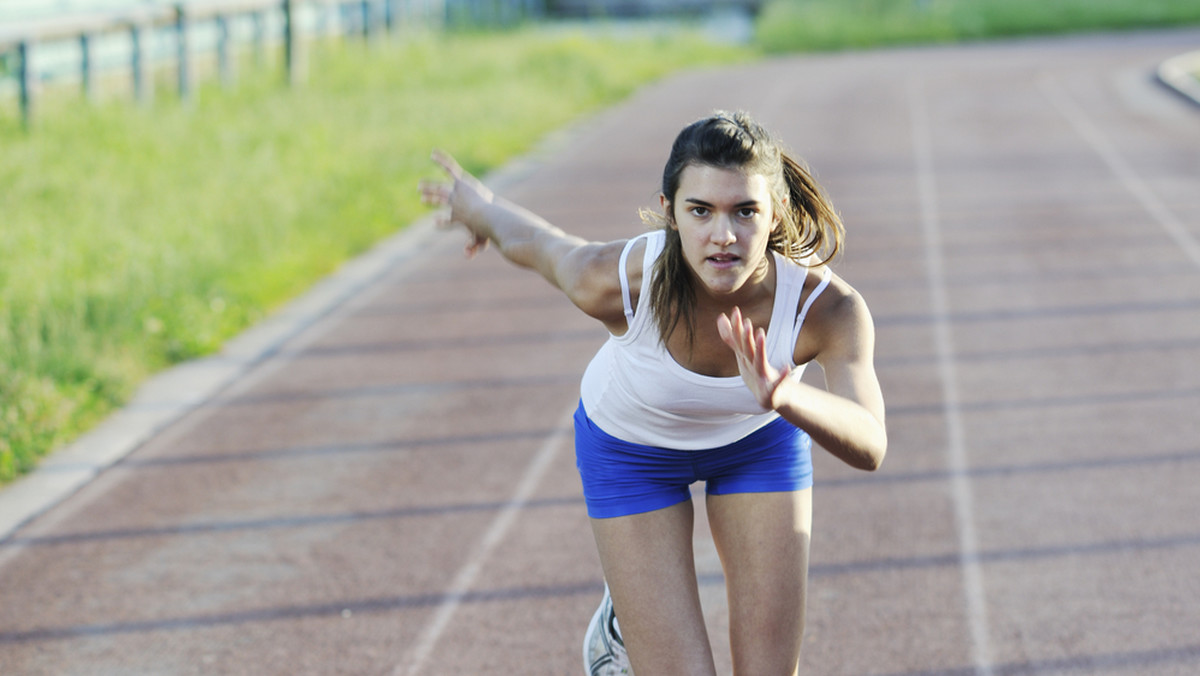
1178,73
168,396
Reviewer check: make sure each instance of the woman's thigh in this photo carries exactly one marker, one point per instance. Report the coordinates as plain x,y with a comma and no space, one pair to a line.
650,570
763,541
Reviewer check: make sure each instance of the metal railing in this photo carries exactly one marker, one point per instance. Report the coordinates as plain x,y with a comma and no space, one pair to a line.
274,23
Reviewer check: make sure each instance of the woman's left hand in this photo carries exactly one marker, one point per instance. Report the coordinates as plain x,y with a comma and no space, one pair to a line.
750,346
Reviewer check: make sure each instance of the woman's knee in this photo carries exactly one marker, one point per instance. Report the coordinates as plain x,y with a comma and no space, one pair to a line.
648,564
763,540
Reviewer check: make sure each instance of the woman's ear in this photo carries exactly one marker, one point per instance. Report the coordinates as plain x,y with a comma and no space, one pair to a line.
667,211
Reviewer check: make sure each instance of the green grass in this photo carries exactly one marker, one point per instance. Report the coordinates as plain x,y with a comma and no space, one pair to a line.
134,238
816,25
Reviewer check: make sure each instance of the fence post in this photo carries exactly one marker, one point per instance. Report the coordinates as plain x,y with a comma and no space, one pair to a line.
143,79
292,43
372,16
260,38
184,57
87,67
26,80
224,49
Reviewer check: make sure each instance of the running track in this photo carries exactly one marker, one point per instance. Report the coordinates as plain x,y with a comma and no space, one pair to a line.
389,487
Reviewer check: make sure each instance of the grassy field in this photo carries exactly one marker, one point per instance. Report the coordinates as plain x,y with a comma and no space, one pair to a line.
132,239
816,25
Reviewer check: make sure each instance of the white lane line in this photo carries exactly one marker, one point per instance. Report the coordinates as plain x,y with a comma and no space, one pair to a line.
1116,162
495,533
956,453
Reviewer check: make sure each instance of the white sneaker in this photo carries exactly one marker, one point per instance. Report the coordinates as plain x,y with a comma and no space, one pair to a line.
603,650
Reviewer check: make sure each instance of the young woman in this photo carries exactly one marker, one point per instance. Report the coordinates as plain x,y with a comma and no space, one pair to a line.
713,316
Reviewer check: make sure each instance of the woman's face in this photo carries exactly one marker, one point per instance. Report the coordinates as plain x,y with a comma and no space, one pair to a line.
724,218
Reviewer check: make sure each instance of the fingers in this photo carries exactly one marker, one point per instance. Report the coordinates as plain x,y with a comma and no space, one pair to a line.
739,334
749,345
745,334
434,193
448,163
760,357
438,193
737,329
725,329
730,330
475,245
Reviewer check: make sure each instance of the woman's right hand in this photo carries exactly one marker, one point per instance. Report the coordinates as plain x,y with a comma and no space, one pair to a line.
750,346
465,196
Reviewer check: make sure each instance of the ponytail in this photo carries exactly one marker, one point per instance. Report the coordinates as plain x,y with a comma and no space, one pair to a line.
811,232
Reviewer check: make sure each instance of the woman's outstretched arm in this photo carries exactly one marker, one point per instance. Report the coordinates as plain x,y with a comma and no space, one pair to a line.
585,271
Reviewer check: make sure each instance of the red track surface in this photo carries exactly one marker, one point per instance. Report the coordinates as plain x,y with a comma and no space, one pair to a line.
393,490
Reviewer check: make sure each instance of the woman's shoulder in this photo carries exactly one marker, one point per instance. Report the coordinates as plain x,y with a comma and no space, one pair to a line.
838,297
604,272
838,315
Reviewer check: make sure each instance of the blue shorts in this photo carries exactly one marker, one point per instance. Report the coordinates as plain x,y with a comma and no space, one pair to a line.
622,478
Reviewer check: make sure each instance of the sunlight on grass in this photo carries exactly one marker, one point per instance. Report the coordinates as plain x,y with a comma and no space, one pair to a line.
814,25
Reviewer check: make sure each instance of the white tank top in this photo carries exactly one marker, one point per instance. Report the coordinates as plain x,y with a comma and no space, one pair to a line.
634,390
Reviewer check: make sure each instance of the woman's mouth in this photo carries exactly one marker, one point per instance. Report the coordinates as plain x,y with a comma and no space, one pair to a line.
723,260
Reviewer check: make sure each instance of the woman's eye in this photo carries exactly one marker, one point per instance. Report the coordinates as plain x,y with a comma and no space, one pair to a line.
699,212
747,213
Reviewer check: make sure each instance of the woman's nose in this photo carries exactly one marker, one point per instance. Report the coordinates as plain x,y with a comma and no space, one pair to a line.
722,232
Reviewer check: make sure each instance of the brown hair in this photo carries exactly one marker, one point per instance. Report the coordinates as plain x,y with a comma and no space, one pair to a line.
808,225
